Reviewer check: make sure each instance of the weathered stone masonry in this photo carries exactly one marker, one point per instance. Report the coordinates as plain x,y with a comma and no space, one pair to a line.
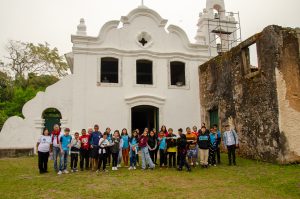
263,101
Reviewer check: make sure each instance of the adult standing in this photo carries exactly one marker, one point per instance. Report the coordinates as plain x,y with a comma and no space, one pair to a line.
231,142
55,140
43,148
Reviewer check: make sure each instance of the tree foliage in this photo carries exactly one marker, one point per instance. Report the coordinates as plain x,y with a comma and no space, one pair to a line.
14,96
24,58
27,69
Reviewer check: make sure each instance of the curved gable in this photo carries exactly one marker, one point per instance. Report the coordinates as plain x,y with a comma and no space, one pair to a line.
143,29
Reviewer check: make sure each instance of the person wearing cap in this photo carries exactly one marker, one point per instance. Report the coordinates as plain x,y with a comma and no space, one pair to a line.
231,142
94,143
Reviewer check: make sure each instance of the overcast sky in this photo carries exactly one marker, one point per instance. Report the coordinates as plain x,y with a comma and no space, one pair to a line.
54,21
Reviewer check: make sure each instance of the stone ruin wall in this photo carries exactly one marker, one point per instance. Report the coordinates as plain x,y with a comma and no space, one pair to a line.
258,99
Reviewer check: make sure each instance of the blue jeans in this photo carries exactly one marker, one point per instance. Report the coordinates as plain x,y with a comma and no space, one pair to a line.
132,158
64,160
146,160
56,153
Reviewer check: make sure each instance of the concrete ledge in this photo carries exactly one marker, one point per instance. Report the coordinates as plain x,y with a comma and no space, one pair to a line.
20,152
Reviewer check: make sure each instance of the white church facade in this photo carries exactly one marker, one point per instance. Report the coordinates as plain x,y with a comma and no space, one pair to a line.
136,73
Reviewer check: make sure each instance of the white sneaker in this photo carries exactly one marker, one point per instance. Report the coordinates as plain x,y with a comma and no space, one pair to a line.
116,169
119,166
59,173
97,171
134,168
66,171
130,168
113,168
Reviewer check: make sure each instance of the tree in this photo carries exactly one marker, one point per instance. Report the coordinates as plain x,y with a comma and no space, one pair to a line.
24,58
6,88
41,81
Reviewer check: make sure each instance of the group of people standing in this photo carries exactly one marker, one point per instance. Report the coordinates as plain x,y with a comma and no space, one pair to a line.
96,150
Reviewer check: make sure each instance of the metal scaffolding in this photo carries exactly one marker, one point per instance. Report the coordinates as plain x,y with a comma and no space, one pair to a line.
224,31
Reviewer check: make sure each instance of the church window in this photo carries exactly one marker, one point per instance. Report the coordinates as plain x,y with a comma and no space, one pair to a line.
177,72
144,72
109,70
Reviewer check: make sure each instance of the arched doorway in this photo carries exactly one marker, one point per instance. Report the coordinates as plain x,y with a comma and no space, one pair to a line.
144,116
51,116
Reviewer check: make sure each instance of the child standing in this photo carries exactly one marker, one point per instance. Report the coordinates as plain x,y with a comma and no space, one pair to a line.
109,138
197,146
204,142
192,151
94,141
152,145
115,149
90,131
65,142
156,150
103,144
219,140
171,148
133,149
146,160
84,149
125,147
162,149
43,148
75,147
182,151
212,148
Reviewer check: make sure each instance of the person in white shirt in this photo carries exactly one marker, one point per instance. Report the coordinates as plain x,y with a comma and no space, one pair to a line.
103,149
231,142
43,148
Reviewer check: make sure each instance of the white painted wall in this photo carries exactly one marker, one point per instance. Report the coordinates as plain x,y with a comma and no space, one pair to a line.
84,101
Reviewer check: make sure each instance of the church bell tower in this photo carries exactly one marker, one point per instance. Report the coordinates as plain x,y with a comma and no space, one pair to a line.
218,29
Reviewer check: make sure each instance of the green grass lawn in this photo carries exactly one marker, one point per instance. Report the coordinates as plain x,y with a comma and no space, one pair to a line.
19,178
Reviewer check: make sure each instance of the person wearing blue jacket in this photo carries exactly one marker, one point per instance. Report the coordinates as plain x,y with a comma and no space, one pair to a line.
231,142
133,143
162,145
94,142
212,147
219,140
204,143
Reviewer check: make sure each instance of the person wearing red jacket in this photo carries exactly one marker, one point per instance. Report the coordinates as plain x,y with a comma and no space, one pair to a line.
84,149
